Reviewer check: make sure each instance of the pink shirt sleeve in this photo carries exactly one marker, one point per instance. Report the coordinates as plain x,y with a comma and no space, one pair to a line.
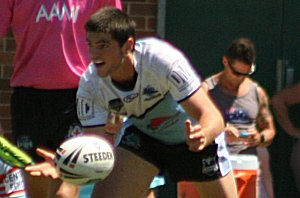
5,16
115,3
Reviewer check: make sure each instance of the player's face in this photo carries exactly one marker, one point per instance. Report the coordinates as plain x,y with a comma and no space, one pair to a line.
242,66
238,70
105,53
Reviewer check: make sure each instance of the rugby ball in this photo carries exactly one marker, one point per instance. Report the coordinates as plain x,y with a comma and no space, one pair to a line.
84,159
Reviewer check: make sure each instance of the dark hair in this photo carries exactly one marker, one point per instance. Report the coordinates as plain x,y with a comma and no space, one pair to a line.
241,49
113,21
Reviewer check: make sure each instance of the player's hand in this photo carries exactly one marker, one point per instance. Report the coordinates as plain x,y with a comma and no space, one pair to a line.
253,139
231,133
46,168
114,124
195,138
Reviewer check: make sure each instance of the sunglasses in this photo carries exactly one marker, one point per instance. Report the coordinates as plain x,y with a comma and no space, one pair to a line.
252,70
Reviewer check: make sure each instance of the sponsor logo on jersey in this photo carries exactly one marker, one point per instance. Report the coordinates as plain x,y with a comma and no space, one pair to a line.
180,78
115,105
85,108
130,97
60,12
151,93
167,121
209,166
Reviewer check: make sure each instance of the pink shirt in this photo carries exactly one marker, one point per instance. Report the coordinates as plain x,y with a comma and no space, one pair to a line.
51,41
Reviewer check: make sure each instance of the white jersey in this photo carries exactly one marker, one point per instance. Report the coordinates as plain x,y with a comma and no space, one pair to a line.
164,78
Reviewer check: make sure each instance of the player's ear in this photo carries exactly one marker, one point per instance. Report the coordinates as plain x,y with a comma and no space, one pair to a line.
225,61
128,45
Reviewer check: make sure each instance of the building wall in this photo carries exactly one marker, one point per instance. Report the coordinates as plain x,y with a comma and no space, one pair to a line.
144,12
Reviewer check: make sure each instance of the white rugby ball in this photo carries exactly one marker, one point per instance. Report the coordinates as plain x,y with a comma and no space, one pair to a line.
84,159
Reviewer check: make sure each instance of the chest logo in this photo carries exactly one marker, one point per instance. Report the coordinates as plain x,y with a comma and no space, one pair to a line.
151,93
115,105
130,97
237,116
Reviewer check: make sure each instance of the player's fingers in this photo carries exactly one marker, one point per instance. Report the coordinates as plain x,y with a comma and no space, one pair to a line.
197,135
197,146
192,131
188,127
45,153
43,169
36,167
35,173
235,132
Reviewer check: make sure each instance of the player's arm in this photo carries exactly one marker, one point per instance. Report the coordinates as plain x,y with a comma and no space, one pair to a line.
280,104
265,122
210,121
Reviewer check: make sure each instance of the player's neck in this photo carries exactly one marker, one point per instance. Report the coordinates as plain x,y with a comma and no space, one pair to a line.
126,85
231,86
126,77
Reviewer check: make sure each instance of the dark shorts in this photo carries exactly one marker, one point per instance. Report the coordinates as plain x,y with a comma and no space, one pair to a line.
177,160
43,118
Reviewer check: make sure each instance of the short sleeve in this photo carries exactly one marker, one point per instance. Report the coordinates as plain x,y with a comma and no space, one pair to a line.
89,109
182,79
5,16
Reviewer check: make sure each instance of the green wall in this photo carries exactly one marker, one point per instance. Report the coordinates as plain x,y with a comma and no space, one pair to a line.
203,29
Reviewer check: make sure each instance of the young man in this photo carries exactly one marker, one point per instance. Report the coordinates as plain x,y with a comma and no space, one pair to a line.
244,104
174,125
50,57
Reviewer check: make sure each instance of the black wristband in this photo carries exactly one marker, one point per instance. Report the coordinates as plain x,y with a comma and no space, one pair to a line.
262,138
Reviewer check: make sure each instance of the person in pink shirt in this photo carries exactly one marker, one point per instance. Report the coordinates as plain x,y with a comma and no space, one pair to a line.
50,57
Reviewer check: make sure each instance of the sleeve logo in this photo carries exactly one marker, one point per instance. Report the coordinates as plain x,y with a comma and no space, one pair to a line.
85,108
180,78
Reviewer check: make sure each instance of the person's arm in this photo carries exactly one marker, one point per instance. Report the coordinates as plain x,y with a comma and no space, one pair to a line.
265,122
280,104
264,132
210,122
